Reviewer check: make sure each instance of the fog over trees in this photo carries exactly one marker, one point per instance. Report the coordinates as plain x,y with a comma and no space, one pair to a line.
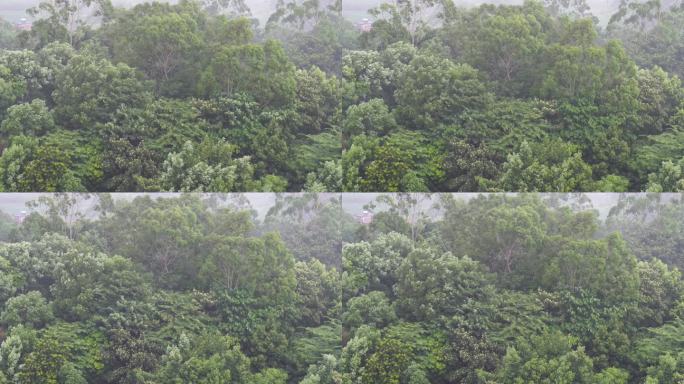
424,96
396,99
194,288
11,9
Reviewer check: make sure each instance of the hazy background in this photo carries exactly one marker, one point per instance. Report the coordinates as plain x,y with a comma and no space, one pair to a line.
354,10
353,203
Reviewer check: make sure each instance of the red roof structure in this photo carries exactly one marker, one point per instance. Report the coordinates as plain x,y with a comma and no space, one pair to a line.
365,218
365,25
23,25
20,217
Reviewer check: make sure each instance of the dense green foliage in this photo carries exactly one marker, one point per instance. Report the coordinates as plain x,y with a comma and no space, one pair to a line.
201,289
174,290
523,289
196,97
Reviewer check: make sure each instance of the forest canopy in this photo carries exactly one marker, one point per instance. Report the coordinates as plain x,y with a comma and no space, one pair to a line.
433,289
433,96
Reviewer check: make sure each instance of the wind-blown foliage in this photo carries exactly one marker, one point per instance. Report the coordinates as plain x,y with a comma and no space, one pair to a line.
200,288
433,96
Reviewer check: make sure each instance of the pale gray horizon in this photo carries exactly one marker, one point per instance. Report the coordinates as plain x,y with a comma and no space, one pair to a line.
354,10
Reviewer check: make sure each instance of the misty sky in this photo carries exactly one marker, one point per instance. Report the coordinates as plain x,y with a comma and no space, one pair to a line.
353,203
13,10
